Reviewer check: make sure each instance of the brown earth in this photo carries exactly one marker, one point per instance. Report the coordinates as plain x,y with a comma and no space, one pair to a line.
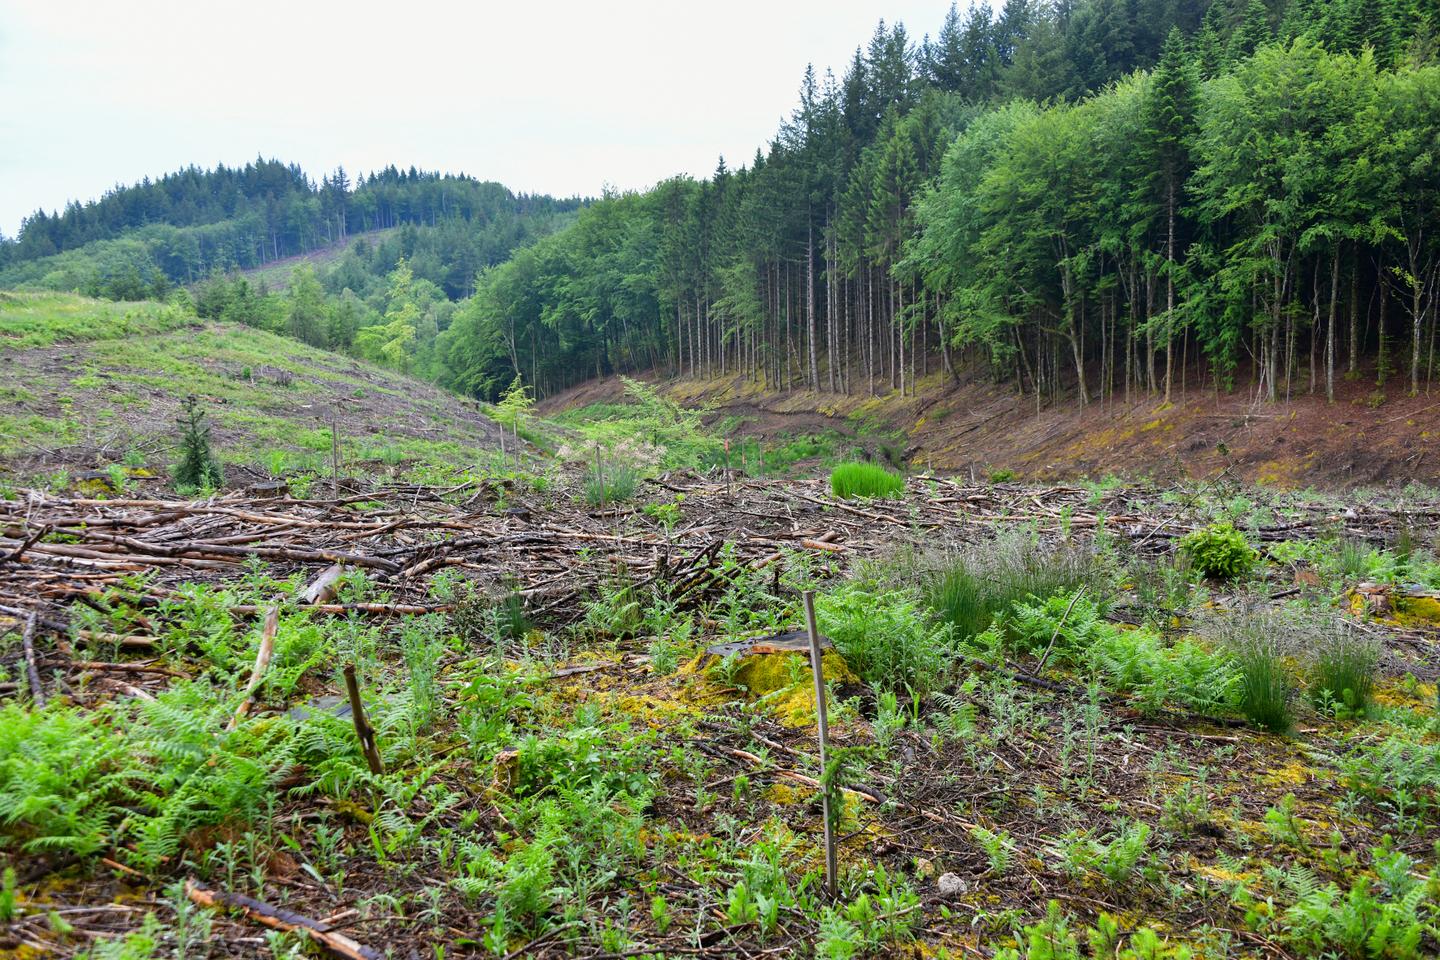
1367,437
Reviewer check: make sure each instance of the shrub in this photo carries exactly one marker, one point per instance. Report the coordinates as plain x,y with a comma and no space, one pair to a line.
1219,551
1343,672
198,466
612,483
865,480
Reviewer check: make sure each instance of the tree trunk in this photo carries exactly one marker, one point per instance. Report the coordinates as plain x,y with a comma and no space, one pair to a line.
1330,334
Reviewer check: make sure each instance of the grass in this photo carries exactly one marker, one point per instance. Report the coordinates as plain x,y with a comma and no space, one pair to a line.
1266,686
973,588
40,319
1342,675
128,366
611,483
850,480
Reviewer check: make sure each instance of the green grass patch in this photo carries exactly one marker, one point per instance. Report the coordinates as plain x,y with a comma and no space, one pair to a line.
865,480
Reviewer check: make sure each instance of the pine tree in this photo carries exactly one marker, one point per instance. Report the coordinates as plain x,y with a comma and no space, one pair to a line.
197,468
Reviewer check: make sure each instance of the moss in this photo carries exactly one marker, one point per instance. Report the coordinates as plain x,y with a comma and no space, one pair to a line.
1417,611
785,795
783,683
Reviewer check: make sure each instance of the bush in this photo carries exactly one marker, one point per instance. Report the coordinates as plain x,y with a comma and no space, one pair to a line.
614,483
1343,672
1219,551
865,480
197,467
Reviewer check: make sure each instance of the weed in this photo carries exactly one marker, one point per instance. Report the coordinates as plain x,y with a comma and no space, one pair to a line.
610,483
865,480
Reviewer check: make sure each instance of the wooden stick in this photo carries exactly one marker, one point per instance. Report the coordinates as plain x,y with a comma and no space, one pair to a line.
1058,627
334,458
363,730
278,918
28,639
816,666
30,541
262,662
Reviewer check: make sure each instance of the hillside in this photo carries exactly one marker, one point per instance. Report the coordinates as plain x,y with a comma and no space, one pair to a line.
276,274
975,426
88,383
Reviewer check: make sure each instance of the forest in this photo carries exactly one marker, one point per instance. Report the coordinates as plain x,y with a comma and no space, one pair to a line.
1084,199
142,241
1091,198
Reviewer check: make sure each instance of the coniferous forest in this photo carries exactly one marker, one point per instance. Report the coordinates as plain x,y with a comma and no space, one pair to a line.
1089,199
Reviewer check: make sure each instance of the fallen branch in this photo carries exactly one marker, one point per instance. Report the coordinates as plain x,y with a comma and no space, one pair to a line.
278,918
262,662
28,639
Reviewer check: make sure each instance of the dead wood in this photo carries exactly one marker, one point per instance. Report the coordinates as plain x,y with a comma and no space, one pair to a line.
278,918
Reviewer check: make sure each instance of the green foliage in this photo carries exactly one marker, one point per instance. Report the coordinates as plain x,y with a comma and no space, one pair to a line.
197,467
1219,551
865,480
1369,921
610,483
1116,859
974,588
999,848
1342,674
885,637
1266,686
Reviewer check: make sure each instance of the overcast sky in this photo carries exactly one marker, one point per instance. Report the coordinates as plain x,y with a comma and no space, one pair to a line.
550,97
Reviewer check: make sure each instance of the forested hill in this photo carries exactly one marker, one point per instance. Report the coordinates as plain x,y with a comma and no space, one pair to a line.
1086,198
1082,199
138,241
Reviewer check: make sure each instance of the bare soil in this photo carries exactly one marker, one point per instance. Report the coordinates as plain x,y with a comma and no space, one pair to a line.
1367,437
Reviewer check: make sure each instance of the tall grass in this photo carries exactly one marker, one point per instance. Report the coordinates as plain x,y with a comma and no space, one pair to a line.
865,480
974,588
612,483
1343,671
1265,686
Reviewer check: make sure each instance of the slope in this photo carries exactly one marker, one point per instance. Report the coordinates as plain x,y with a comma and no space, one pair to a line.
89,383
1367,437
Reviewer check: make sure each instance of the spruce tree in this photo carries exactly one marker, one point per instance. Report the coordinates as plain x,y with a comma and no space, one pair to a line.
198,467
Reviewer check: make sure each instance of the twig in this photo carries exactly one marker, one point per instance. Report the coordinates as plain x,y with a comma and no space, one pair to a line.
262,662
1058,627
28,639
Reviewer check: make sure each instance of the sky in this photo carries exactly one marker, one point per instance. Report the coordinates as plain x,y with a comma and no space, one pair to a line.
545,97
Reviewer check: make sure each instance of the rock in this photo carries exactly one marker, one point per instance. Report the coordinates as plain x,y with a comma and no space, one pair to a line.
952,885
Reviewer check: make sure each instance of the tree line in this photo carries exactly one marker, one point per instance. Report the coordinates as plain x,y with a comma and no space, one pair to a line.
138,241
1093,198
